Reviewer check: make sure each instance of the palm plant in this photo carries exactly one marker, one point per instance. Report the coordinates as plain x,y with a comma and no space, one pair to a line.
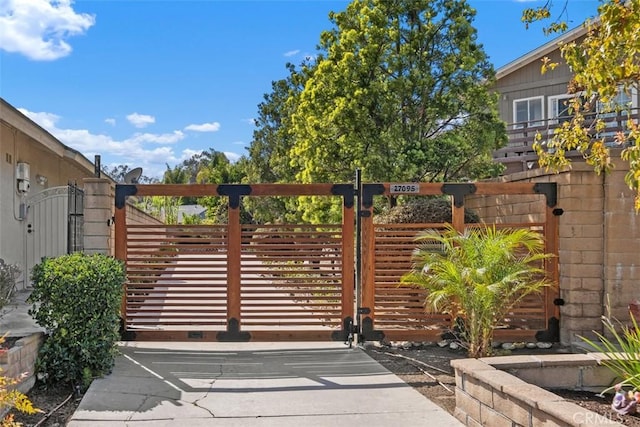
478,276
622,351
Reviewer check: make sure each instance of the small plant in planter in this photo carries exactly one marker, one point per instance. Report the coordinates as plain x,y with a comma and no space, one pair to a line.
77,300
478,276
8,275
622,351
12,398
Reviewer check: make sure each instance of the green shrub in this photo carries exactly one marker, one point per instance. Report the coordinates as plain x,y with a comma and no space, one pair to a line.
77,300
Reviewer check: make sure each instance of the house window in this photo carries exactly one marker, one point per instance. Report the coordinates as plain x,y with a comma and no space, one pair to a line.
615,114
528,112
561,110
624,100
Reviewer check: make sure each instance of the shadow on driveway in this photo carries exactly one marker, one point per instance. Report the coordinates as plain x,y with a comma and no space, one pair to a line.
251,384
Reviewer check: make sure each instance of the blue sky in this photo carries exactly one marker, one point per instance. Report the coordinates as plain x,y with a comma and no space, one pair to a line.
152,82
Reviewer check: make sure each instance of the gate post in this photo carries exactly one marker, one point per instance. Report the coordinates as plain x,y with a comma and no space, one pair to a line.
367,311
234,262
458,191
551,238
98,205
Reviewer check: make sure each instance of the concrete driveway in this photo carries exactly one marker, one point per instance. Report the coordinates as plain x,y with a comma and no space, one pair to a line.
252,384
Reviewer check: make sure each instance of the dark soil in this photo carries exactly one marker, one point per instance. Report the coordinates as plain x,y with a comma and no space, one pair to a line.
426,368
56,403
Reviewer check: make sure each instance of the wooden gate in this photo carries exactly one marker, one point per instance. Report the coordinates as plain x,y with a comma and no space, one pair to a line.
397,312
239,282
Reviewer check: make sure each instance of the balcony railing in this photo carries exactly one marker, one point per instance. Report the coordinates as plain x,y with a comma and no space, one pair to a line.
518,155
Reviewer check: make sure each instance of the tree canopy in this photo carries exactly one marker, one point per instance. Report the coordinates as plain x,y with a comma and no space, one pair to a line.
400,90
605,63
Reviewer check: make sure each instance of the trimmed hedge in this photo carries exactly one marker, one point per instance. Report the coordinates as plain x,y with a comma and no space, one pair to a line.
77,299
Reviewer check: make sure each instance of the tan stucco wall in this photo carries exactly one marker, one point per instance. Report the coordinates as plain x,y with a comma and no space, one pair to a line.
599,246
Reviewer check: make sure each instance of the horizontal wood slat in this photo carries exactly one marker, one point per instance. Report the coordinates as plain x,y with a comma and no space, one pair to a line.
288,281
399,307
291,276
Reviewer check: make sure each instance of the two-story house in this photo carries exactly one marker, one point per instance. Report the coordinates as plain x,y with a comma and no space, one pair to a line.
532,102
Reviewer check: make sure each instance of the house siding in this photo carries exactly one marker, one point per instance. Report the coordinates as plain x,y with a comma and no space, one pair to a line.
529,82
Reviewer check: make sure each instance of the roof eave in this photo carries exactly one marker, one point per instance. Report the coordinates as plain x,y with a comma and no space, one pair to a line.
541,51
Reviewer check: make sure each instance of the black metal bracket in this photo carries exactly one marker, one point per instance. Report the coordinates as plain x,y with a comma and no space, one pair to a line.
348,327
558,301
364,310
234,191
346,191
550,190
122,192
233,334
367,332
552,333
368,191
458,191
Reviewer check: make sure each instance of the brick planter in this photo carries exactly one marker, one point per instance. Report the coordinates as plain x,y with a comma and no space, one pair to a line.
21,358
514,390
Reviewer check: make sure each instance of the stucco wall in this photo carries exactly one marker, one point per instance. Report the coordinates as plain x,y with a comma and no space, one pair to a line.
599,247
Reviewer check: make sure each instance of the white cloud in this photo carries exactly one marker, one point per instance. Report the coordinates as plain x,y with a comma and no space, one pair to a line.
164,138
188,153
204,127
233,157
140,120
292,53
110,121
38,29
46,120
130,151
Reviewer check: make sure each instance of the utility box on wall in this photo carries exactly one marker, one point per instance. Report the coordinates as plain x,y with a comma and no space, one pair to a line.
23,177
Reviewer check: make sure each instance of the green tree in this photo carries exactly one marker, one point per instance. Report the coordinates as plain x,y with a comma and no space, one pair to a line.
273,139
605,63
215,168
269,152
401,92
478,276
175,175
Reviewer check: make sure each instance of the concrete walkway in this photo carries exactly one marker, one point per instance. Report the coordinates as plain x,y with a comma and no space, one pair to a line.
252,384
